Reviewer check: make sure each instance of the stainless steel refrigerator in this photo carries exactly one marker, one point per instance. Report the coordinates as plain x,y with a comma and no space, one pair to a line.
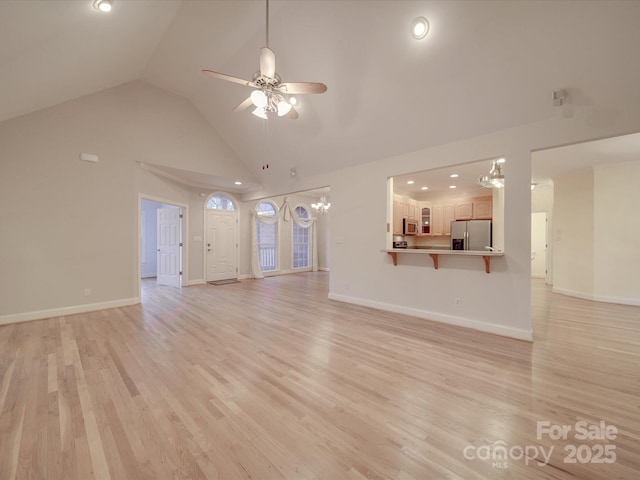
471,235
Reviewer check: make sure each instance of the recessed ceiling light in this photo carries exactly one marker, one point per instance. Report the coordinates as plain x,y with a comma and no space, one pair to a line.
452,186
454,175
500,160
238,183
419,28
103,5
424,188
410,182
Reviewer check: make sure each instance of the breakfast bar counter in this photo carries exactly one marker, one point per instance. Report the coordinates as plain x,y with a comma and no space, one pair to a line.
435,253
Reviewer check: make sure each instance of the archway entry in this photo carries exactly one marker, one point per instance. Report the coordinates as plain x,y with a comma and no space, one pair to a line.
221,238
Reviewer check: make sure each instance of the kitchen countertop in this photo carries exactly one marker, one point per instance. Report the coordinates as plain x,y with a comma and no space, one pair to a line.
448,251
434,253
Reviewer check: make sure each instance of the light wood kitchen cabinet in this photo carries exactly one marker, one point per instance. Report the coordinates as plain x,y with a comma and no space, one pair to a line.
483,208
405,210
463,211
437,220
397,218
448,216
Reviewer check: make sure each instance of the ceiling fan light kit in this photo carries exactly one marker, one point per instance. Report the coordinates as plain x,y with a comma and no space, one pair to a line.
103,5
270,93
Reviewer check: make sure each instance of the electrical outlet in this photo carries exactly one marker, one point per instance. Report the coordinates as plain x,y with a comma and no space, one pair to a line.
458,302
87,292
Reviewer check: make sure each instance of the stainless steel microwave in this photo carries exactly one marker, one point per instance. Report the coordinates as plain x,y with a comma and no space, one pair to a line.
409,227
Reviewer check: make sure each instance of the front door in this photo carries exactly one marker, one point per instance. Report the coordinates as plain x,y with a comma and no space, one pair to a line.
169,246
222,245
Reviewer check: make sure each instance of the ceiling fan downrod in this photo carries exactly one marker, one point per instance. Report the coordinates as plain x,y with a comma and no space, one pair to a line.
267,29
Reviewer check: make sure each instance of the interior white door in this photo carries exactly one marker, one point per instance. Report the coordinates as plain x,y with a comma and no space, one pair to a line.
222,246
539,244
169,246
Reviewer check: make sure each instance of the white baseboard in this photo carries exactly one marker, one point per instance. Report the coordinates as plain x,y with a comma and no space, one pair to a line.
623,301
197,281
538,275
148,275
323,269
597,298
58,312
573,293
494,328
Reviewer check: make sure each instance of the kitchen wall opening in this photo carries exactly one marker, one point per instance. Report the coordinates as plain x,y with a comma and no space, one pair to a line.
447,209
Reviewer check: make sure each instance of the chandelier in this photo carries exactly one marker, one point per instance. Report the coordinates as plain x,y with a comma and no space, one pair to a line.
495,179
322,206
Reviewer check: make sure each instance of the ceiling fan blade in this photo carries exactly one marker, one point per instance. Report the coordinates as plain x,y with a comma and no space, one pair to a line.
303,87
246,103
293,115
267,62
224,76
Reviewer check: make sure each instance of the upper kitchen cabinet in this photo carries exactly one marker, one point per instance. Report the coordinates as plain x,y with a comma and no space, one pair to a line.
404,207
463,210
426,218
448,216
483,208
437,220
397,217
477,208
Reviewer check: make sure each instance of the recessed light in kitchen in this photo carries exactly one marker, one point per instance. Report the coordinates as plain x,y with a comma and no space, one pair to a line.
454,175
410,182
452,186
238,183
424,188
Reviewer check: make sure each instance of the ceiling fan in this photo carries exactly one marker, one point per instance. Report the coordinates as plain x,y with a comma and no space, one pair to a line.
270,94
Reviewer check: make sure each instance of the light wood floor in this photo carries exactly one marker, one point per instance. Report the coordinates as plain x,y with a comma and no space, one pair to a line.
270,380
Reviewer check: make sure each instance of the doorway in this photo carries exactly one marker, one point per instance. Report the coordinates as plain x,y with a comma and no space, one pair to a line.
162,249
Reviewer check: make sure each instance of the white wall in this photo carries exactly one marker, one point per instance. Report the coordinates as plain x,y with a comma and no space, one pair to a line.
617,233
497,227
572,233
324,240
68,225
596,227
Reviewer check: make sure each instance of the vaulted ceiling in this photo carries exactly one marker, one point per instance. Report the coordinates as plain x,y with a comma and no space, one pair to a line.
484,66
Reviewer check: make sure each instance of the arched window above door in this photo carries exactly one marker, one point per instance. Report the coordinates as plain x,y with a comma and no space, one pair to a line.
220,202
